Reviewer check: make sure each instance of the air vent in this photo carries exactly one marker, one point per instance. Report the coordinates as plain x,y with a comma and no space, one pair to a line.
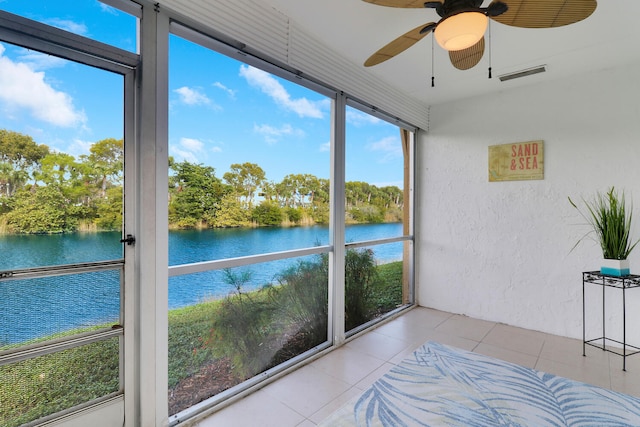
523,73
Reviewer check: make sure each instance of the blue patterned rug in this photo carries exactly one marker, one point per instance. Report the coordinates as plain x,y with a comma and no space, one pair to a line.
444,386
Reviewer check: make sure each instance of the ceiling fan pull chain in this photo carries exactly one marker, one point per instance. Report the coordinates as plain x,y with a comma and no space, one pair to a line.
433,79
489,35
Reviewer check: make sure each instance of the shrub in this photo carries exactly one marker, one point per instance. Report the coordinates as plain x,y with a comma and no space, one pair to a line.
294,214
302,299
367,214
267,214
360,277
242,328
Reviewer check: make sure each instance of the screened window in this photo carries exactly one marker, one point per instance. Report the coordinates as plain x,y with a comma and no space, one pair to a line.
61,218
377,203
249,204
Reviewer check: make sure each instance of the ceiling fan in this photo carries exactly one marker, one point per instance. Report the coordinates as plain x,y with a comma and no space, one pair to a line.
463,23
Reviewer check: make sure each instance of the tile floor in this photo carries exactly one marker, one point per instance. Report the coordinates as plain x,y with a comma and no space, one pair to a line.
308,395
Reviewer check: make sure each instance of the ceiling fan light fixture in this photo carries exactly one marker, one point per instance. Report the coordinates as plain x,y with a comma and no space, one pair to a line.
461,31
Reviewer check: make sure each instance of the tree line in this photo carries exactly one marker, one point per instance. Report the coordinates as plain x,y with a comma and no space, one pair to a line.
44,191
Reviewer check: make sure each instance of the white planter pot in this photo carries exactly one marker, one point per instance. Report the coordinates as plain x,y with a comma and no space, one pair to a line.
615,267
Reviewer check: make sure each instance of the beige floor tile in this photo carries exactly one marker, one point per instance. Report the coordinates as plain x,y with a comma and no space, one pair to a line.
258,408
578,369
625,382
334,405
465,327
516,339
374,376
347,364
567,350
426,318
450,340
521,359
377,345
404,331
632,364
307,390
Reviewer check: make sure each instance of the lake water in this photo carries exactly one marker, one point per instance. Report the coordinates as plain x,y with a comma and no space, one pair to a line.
37,307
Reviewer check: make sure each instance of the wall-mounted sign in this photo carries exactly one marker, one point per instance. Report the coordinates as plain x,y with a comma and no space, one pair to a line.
516,162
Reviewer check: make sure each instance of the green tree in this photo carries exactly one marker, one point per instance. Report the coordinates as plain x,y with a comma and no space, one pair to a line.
245,179
267,213
19,155
299,190
58,169
106,163
11,179
196,194
231,213
20,150
109,210
40,210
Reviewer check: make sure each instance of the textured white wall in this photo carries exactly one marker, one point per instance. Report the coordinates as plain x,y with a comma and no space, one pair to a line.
501,251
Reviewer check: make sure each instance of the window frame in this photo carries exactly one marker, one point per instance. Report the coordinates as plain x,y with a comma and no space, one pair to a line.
23,32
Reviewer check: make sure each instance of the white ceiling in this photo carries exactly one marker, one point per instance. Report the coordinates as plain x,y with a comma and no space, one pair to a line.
355,29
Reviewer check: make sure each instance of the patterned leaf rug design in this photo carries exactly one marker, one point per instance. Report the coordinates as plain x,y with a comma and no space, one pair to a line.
444,386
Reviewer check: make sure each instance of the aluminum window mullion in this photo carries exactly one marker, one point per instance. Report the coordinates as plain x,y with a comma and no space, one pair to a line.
199,267
376,112
236,51
35,35
60,344
126,6
337,222
59,270
363,243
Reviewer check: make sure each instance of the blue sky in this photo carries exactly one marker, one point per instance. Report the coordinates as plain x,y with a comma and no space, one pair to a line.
221,111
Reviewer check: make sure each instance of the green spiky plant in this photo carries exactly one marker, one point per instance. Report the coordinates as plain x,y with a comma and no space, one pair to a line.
611,223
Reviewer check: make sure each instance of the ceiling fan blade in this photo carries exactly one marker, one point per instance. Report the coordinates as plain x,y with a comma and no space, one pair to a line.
419,4
400,44
469,57
545,13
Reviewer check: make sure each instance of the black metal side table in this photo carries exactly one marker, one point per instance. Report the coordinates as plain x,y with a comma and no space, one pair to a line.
606,281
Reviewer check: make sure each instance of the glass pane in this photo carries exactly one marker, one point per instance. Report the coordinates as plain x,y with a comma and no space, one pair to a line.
88,18
48,384
249,157
61,161
259,316
374,280
374,173
40,309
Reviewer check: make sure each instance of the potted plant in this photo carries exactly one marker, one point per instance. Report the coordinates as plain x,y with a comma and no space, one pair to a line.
611,223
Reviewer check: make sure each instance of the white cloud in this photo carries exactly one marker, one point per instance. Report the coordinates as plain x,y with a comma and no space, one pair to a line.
40,61
230,92
390,148
191,150
78,147
23,88
191,96
184,155
107,9
191,144
68,25
325,147
272,134
358,118
272,88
